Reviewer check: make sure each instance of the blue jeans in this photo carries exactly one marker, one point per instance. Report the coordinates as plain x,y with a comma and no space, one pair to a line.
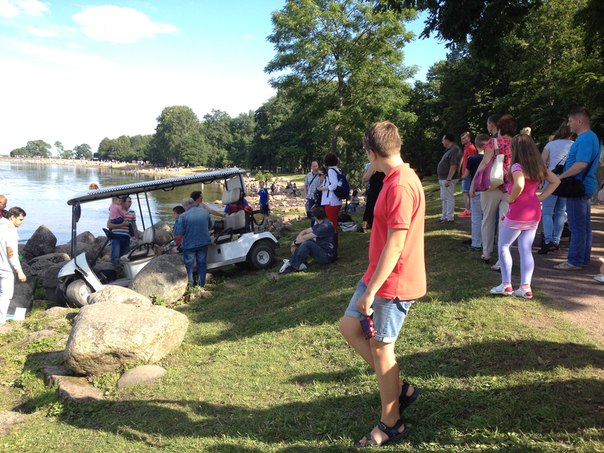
553,209
579,223
119,247
310,249
197,255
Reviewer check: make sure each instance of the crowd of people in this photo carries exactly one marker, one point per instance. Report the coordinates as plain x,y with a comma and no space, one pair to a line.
532,187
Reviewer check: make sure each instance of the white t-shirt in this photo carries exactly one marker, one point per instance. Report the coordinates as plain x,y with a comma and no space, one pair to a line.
558,151
9,238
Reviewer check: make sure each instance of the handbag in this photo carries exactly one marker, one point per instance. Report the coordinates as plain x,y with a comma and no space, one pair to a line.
491,176
571,187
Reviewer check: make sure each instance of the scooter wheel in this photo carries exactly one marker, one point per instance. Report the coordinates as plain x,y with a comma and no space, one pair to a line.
77,293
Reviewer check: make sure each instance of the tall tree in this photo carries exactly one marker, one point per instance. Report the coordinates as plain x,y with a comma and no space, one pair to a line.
349,54
175,127
82,151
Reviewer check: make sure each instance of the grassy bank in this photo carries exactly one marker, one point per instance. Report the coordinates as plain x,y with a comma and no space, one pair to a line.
263,368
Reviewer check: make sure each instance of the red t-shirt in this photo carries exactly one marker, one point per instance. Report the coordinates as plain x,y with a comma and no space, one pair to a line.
401,204
469,150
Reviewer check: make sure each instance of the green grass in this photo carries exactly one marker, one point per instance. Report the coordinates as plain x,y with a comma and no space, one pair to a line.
263,368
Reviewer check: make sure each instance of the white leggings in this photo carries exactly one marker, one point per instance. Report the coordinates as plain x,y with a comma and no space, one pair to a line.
507,236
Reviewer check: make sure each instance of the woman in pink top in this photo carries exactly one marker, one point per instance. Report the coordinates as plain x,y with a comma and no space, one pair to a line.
520,222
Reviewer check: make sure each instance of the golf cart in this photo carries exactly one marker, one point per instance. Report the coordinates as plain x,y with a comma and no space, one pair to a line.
238,238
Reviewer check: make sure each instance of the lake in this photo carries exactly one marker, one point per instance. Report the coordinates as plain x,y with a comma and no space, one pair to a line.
43,190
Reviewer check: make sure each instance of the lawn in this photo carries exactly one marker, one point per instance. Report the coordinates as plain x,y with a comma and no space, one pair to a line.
263,368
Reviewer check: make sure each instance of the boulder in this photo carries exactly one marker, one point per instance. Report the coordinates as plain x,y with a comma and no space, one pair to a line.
165,276
118,295
85,238
106,337
81,247
143,374
50,277
39,265
78,389
42,242
8,419
163,233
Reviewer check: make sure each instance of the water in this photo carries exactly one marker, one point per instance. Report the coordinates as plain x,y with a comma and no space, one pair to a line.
43,190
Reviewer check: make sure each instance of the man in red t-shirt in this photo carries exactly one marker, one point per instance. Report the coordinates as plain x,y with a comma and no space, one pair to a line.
395,278
468,150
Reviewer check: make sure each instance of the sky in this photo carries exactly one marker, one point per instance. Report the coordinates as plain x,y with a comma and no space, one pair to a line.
80,71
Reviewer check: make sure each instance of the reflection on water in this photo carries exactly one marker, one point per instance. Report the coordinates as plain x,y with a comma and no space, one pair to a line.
43,190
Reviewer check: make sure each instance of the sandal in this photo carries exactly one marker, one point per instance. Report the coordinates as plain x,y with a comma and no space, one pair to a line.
405,401
394,436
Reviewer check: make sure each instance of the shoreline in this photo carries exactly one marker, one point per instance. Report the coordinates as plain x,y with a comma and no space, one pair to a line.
129,168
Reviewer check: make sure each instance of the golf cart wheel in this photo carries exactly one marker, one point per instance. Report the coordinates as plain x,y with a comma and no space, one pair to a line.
262,255
77,293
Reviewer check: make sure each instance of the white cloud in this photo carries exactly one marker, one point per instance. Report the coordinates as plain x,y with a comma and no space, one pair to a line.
118,24
249,37
8,9
32,7
42,32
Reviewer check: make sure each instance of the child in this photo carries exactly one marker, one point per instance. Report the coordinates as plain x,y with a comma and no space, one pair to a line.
527,172
470,171
176,212
263,193
354,201
116,214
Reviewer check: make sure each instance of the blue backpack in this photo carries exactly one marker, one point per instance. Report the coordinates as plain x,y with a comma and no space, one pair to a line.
342,191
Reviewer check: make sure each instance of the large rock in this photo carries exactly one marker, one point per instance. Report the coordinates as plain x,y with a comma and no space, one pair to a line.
105,337
39,265
163,233
143,374
120,295
42,242
165,276
81,247
50,277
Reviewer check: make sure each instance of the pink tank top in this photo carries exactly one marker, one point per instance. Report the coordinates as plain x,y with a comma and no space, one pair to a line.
525,211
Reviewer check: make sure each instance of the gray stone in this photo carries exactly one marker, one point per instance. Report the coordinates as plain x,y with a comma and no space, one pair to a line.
107,336
78,389
165,276
8,419
81,247
143,374
53,374
163,233
40,264
118,295
56,312
50,278
24,294
42,242
40,335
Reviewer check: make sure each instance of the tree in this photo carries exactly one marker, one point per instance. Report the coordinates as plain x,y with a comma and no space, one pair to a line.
242,134
177,126
82,151
345,56
216,130
34,148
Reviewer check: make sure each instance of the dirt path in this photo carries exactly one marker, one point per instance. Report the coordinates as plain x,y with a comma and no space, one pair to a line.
575,294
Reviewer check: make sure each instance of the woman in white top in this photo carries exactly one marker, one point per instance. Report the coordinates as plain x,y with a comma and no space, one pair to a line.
329,200
553,207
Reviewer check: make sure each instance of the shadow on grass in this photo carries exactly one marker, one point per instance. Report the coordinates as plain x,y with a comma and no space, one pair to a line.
545,411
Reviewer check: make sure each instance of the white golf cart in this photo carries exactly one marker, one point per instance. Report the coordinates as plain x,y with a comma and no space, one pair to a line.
238,237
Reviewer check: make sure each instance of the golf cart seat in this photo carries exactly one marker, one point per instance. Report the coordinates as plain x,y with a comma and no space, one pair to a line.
236,221
139,255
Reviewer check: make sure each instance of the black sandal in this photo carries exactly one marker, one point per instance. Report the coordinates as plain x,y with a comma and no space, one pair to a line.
394,436
405,401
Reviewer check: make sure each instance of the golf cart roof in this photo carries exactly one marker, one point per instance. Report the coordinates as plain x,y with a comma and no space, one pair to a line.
159,184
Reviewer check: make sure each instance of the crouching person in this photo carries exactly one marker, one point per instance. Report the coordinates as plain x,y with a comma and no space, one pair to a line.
317,242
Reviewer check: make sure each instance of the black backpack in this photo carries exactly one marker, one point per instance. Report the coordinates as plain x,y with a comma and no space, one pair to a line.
342,191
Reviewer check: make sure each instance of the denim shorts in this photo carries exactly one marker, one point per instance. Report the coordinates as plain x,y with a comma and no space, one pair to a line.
388,314
465,184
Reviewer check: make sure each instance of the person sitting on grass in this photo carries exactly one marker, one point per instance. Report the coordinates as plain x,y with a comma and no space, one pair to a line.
317,242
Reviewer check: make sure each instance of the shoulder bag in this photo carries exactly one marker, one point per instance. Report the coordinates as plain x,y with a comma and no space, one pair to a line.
491,176
571,187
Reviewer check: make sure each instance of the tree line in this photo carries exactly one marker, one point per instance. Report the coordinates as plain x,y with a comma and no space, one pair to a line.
339,67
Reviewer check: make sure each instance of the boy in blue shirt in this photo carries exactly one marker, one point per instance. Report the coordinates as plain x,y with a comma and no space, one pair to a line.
263,193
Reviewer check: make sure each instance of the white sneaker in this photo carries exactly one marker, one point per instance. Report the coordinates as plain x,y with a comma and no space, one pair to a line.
303,267
496,266
503,290
285,266
599,278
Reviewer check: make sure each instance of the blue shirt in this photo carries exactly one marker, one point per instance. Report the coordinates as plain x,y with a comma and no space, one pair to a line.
194,226
585,149
263,196
325,236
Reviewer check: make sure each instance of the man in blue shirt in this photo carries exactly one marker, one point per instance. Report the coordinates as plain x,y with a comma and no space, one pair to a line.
194,226
580,164
263,193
